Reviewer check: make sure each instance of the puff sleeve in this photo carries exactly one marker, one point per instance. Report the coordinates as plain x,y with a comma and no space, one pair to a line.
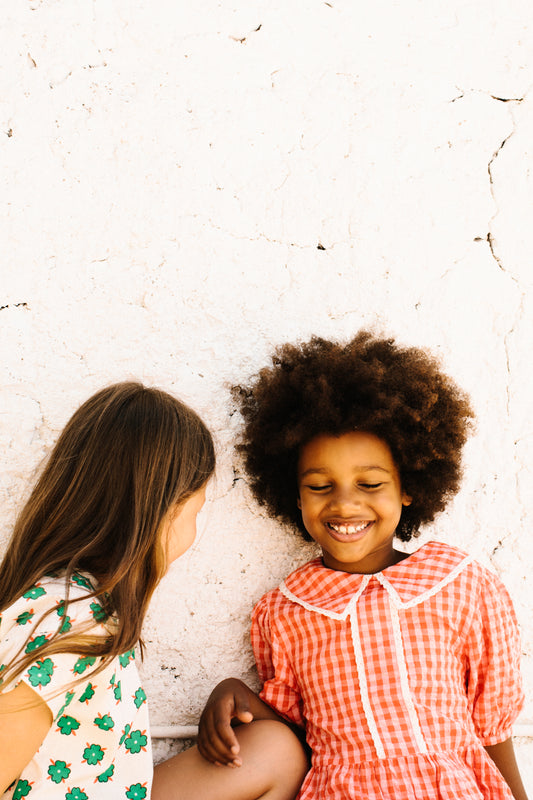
494,687
280,688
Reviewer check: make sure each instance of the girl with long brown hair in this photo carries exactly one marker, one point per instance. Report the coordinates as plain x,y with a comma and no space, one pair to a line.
115,503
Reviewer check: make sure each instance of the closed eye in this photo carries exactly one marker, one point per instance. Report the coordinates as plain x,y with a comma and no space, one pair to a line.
370,485
318,488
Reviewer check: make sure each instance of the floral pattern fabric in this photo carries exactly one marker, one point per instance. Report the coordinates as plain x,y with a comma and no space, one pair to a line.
98,747
400,678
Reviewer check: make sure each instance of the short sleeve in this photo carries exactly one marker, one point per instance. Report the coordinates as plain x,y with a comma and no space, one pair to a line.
494,686
98,746
26,625
280,688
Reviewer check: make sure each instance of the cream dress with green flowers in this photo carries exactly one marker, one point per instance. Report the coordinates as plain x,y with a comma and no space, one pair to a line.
98,747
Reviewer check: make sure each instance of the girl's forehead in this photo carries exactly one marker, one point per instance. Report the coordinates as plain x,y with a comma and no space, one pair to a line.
352,450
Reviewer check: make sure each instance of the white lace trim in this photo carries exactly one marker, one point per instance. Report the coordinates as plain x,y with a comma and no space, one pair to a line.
404,679
324,611
363,686
399,603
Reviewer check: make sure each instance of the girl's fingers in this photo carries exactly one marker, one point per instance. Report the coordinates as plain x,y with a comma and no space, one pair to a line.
217,741
224,741
242,708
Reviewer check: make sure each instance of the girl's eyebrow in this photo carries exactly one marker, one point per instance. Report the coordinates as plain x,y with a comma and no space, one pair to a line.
324,470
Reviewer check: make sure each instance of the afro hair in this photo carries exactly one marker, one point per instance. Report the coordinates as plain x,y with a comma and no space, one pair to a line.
368,384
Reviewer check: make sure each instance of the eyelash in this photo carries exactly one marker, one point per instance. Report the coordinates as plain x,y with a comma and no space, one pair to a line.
367,486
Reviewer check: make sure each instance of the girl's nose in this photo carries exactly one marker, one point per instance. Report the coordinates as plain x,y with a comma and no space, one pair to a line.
346,499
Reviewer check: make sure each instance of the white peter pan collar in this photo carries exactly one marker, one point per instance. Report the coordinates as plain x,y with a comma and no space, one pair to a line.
410,582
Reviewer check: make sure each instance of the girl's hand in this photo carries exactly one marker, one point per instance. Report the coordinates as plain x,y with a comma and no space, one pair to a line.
230,702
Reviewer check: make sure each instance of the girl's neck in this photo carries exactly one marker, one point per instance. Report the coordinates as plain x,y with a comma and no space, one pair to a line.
375,562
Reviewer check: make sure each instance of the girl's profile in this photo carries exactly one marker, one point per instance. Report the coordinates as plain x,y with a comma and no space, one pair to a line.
115,504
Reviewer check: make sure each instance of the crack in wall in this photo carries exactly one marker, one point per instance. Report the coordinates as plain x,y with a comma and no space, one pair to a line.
493,245
318,245
500,545
14,305
243,39
490,237
499,259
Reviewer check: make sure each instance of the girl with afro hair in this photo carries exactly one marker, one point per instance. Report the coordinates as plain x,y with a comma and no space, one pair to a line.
401,671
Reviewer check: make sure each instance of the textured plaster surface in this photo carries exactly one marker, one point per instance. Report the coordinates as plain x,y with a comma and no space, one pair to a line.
186,185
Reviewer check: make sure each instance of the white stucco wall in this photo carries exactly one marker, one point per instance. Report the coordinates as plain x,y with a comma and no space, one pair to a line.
185,185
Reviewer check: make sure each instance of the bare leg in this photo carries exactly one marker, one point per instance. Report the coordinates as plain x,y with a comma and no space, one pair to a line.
273,767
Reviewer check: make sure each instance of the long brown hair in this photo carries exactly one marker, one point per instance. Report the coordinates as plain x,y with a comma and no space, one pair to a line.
126,456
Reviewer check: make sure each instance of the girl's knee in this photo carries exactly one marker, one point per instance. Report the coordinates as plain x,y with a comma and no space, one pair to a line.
273,767
276,745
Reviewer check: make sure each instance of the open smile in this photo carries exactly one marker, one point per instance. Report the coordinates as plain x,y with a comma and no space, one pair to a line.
349,531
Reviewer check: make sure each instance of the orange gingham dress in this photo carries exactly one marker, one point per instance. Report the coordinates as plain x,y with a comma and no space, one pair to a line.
400,678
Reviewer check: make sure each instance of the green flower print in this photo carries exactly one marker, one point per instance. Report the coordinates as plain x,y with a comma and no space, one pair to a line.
107,775
82,664
137,791
125,658
117,691
98,612
67,725
88,693
22,789
67,624
25,617
68,698
139,697
34,592
41,673
93,754
58,771
105,722
34,644
136,741
81,580
76,794
125,733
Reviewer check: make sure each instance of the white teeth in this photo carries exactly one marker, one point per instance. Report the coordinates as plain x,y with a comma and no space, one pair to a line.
348,528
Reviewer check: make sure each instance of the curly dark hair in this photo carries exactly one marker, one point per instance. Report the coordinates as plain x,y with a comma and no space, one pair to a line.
369,384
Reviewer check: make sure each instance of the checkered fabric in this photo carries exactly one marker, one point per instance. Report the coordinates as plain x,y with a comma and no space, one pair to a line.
399,678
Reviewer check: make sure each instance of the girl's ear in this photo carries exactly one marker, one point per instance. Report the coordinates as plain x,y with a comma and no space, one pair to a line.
299,503
406,499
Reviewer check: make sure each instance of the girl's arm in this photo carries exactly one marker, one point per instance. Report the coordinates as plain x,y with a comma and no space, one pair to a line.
25,719
503,756
230,701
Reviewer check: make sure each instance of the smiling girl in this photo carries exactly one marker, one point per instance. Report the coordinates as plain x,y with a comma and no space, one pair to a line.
351,500
402,670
